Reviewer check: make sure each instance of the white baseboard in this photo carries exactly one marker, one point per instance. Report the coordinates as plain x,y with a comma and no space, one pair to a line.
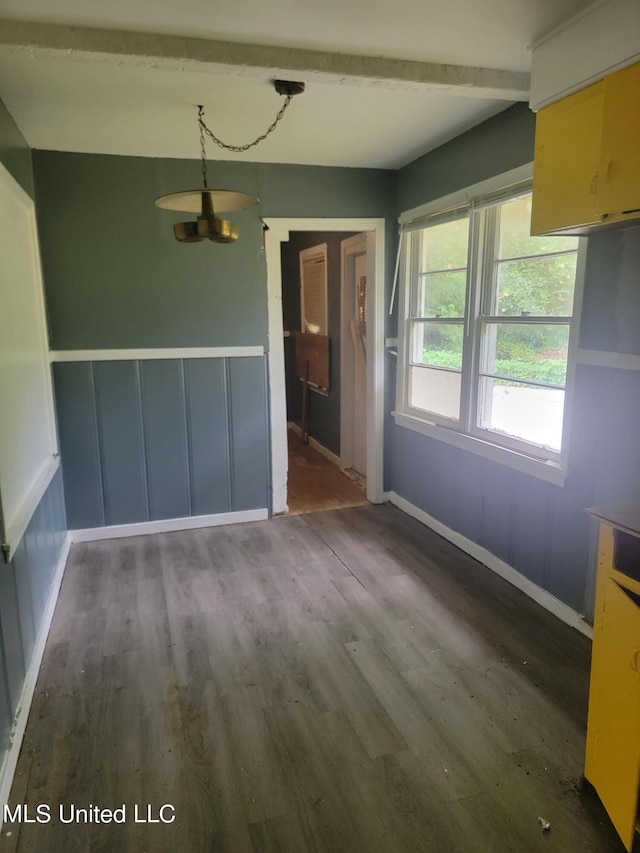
28,689
169,525
565,613
317,446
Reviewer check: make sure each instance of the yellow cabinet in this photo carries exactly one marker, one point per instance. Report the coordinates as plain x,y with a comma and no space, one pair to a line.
587,157
566,162
612,760
619,190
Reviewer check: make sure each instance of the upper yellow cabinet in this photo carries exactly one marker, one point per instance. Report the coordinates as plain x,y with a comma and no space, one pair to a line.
566,162
587,157
619,194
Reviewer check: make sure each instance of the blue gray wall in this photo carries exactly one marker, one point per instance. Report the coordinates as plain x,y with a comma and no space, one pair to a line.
497,145
157,439
115,278
25,582
25,588
324,411
540,529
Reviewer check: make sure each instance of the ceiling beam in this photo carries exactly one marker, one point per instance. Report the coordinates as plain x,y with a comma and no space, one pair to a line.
82,44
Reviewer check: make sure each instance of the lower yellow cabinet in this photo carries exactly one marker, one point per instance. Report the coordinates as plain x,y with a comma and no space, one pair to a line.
612,762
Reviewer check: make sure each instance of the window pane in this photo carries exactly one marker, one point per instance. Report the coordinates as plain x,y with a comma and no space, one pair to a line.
515,225
436,391
444,247
437,344
525,412
499,313
539,286
526,351
441,294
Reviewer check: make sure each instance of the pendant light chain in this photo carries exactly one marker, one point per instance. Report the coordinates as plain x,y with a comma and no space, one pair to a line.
202,148
209,226
238,148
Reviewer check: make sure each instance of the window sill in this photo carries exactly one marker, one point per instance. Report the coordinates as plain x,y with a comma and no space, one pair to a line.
551,472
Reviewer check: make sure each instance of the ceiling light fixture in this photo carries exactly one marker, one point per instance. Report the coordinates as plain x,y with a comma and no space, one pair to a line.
208,202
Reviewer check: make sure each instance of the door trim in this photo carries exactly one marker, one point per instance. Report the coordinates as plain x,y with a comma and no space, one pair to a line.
349,248
277,232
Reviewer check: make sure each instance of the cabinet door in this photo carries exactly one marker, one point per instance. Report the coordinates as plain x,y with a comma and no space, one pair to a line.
619,193
566,162
613,756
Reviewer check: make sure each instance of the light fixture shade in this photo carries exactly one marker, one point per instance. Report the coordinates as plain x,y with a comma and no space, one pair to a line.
214,229
187,232
217,230
190,201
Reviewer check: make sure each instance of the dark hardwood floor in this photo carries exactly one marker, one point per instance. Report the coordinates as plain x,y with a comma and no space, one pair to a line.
342,681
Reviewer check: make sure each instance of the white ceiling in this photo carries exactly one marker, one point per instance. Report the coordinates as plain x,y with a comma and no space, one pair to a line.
115,93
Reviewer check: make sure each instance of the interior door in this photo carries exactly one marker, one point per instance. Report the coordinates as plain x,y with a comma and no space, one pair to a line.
353,353
359,335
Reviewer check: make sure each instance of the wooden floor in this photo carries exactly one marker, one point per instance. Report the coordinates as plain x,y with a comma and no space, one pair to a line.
315,483
342,681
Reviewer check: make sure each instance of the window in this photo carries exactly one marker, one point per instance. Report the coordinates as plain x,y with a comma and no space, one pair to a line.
485,329
313,289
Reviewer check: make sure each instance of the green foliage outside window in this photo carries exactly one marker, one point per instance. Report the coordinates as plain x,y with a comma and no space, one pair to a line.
537,287
549,370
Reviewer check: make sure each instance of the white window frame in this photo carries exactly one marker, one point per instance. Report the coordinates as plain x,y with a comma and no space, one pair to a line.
465,434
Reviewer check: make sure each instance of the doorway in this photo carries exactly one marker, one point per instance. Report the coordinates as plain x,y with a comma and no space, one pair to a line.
371,401
315,482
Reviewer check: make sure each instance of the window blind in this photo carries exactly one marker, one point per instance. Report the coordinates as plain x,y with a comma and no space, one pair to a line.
313,289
